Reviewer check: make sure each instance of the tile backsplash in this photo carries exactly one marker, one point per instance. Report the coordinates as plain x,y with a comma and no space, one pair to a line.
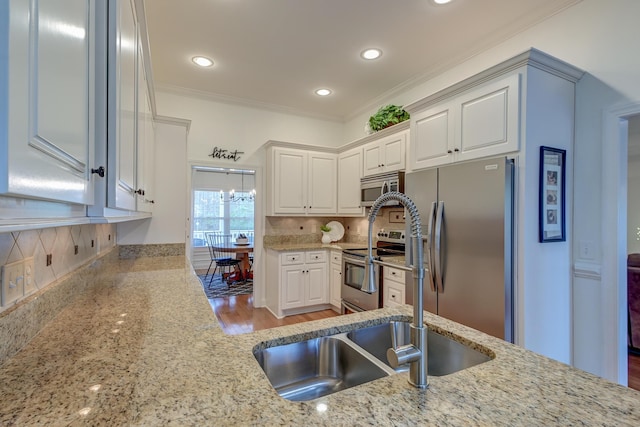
307,229
70,247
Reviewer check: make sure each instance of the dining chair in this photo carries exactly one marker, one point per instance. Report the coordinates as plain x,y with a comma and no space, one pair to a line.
249,235
224,259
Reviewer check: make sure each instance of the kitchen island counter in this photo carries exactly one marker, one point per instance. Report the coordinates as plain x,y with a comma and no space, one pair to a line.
143,347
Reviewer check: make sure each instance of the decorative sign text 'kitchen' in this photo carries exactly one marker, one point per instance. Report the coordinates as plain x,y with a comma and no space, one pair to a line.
221,153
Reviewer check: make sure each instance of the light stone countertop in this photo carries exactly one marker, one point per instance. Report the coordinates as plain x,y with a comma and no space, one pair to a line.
283,247
144,348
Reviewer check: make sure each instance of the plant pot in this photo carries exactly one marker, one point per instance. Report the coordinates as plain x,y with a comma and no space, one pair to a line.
326,239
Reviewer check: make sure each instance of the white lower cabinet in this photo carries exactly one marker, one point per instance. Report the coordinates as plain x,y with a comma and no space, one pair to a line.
393,286
300,284
335,280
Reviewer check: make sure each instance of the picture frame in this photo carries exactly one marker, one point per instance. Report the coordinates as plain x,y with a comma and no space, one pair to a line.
552,195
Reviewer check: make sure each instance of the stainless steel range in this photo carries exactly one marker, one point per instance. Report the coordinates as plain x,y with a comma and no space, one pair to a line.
354,299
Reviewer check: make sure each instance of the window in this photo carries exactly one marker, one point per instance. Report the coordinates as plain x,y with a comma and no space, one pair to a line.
213,211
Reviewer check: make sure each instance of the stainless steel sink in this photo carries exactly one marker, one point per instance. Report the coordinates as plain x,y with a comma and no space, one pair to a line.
445,355
320,366
317,367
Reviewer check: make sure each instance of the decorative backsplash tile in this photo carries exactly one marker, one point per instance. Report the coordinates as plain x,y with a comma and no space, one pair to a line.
70,247
307,229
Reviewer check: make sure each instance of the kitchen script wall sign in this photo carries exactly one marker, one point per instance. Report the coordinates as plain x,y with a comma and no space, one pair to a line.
223,154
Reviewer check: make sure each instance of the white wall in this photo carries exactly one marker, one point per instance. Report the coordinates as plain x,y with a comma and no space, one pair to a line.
168,223
232,126
599,37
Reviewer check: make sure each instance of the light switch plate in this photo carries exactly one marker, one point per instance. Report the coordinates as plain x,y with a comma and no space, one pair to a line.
12,282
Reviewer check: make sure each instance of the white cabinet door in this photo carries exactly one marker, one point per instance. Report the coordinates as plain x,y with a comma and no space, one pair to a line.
349,174
317,284
432,136
289,181
323,176
394,294
481,122
292,285
335,279
303,182
386,154
489,118
145,146
372,154
123,94
46,115
393,152
394,287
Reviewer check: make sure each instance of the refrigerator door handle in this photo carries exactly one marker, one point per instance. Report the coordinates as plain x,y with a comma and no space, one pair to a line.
437,245
430,239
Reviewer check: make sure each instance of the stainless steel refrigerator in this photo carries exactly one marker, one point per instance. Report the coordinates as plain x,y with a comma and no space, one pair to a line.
466,211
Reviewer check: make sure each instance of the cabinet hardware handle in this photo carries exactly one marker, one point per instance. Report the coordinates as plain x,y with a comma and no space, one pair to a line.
449,151
99,171
456,150
139,191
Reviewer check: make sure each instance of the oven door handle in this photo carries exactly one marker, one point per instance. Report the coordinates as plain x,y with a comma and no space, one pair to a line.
351,307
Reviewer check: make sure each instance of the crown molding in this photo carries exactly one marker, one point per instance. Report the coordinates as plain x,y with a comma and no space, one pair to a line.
173,121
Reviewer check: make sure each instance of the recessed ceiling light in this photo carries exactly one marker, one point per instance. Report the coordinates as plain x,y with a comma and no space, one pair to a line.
441,1
323,92
202,61
371,53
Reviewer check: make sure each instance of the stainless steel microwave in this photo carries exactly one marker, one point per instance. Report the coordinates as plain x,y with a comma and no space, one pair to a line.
374,186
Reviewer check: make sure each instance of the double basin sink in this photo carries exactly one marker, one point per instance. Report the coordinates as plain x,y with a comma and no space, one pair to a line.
320,366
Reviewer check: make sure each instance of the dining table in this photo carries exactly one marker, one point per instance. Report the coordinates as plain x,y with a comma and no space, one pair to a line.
241,251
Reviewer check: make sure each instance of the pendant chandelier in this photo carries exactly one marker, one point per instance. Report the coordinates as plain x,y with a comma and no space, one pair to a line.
242,196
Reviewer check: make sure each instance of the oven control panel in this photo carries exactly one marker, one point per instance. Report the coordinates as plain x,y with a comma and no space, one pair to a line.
393,236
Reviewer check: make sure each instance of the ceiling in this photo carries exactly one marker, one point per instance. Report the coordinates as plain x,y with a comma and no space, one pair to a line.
275,53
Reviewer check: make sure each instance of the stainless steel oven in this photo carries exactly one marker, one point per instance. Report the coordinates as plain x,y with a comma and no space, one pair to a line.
354,299
353,273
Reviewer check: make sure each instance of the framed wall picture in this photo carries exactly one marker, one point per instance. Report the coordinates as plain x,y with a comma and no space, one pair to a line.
552,196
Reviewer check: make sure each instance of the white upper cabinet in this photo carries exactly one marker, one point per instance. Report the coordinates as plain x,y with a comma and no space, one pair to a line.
145,151
488,119
322,184
349,174
122,110
46,112
301,182
480,122
386,154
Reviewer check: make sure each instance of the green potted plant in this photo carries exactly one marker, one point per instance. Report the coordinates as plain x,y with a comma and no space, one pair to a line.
386,116
326,238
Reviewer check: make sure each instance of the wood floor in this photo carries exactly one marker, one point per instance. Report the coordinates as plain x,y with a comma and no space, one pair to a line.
237,315
634,371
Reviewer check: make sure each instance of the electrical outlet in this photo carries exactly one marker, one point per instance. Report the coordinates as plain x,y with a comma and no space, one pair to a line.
29,275
586,249
49,259
12,282
75,249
